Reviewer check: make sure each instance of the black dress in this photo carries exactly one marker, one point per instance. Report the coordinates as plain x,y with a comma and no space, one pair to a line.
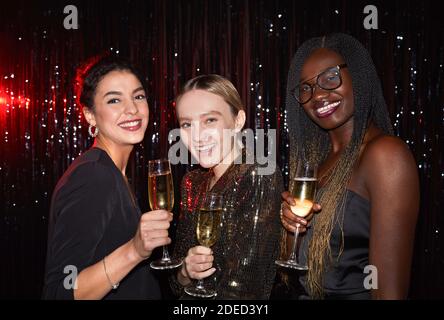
346,278
92,214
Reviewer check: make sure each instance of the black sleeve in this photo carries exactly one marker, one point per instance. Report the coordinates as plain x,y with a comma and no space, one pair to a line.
83,207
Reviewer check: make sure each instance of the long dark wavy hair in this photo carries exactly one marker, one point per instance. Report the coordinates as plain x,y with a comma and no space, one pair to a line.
310,142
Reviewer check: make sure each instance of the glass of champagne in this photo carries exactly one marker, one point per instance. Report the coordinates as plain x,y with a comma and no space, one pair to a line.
161,197
207,231
303,191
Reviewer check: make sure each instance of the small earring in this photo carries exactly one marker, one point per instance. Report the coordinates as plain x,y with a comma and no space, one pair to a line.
95,133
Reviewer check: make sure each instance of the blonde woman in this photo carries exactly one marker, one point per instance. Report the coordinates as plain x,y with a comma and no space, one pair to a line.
243,256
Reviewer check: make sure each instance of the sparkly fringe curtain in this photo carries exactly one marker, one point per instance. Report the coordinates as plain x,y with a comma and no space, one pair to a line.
250,42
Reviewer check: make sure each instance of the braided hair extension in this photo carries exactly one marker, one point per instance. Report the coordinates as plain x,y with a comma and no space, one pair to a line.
310,142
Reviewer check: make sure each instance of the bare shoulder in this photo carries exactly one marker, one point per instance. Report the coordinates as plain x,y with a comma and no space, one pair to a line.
386,150
387,160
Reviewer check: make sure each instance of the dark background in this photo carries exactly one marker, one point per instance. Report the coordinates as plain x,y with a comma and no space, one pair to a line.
250,42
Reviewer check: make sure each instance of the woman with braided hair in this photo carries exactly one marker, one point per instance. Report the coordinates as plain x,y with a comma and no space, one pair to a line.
367,180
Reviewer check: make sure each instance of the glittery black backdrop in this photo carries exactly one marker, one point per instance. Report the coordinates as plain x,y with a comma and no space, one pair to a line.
251,42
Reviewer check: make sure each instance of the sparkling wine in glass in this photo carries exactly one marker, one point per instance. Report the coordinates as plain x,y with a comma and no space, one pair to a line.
304,191
207,232
161,196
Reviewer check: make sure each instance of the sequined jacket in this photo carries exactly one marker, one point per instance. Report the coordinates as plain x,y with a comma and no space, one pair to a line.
250,229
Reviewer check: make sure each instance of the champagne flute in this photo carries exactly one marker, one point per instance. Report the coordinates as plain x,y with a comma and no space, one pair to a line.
207,232
161,196
303,191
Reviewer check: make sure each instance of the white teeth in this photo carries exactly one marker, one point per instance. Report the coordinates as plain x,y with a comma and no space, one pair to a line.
204,148
328,107
130,124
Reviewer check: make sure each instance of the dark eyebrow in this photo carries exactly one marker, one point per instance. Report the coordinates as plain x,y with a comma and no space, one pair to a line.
138,89
120,93
305,80
112,93
341,65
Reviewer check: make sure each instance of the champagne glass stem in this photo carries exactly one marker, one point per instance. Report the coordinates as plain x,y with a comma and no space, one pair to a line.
294,256
200,284
165,254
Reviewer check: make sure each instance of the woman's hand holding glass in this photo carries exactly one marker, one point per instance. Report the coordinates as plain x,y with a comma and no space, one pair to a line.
198,264
207,232
152,232
290,220
303,193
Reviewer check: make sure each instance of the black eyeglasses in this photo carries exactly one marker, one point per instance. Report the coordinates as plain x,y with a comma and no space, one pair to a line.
329,79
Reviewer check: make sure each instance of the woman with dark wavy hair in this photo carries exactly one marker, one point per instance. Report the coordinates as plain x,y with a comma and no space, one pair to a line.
98,237
367,181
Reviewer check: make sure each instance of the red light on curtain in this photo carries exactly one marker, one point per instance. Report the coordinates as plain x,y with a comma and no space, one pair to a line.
7,99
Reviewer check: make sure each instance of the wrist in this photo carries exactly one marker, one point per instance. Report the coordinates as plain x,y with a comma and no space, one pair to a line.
113,285
133,254
182,276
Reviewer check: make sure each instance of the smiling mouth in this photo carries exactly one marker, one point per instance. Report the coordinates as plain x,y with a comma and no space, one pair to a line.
327,109
132,125
205,149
